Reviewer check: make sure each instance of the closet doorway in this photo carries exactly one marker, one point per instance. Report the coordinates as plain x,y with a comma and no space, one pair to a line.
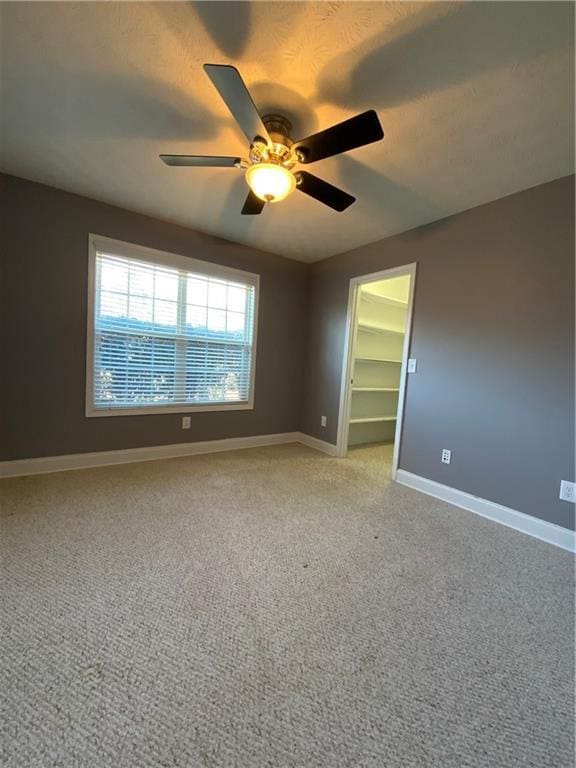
376,363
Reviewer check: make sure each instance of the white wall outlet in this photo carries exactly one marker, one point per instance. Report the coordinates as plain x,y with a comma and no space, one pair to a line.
322,421
411,365
185,422
446,456
568,491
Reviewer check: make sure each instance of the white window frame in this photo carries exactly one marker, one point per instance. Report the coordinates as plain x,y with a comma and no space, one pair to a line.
162,258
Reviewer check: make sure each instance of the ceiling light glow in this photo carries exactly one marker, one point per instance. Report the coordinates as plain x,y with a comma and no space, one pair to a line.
270,182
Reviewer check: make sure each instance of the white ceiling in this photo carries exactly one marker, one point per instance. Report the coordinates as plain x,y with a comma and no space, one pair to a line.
476,101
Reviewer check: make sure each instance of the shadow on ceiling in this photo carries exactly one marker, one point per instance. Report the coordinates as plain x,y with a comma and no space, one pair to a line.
376,191
129,107
231,26
434,50
227,23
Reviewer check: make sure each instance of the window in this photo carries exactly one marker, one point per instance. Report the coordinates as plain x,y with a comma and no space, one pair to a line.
167,333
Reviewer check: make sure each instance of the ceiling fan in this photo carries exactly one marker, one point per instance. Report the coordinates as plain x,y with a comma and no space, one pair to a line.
273,154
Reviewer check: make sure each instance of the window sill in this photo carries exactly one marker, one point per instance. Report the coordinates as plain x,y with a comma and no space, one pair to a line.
92,412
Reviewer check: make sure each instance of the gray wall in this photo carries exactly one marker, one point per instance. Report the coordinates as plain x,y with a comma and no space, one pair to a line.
44,251
493,333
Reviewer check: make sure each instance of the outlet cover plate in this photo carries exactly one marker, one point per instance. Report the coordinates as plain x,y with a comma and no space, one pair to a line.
446,456
568,491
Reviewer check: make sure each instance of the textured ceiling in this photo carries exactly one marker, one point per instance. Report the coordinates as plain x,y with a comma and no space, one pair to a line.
476,101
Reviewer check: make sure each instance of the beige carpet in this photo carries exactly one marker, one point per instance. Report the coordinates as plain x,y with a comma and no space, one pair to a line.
276,608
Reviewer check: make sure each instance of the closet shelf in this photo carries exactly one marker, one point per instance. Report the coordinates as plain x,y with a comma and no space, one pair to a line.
376,389
377,360
369,419
375,297
374,328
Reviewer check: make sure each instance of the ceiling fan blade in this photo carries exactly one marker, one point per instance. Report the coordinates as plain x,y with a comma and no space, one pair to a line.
252,205
229,84
355,132
201,161
323,191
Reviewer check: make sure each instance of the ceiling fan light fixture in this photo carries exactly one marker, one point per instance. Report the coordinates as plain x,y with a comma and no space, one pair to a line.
273,153
270,182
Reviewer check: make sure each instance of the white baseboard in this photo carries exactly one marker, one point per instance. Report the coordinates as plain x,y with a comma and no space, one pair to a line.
319,445
66,462
533,526
131,455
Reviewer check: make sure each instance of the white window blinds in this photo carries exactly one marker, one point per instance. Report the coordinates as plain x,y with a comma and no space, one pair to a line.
165,337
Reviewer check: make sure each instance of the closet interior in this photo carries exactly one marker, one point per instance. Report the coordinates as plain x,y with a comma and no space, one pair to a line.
381,319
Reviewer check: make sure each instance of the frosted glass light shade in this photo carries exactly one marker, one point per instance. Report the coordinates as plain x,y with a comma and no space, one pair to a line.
270,182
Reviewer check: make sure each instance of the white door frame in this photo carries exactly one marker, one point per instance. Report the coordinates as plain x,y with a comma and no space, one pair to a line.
349,355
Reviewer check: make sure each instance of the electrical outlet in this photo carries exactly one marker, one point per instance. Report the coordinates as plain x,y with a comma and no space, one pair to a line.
568,491
185,422
411,365
322,421
446,456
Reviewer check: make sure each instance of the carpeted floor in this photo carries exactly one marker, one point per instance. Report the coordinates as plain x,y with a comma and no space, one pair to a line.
276,608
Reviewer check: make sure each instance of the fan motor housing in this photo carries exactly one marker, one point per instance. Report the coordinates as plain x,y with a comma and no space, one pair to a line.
279,129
